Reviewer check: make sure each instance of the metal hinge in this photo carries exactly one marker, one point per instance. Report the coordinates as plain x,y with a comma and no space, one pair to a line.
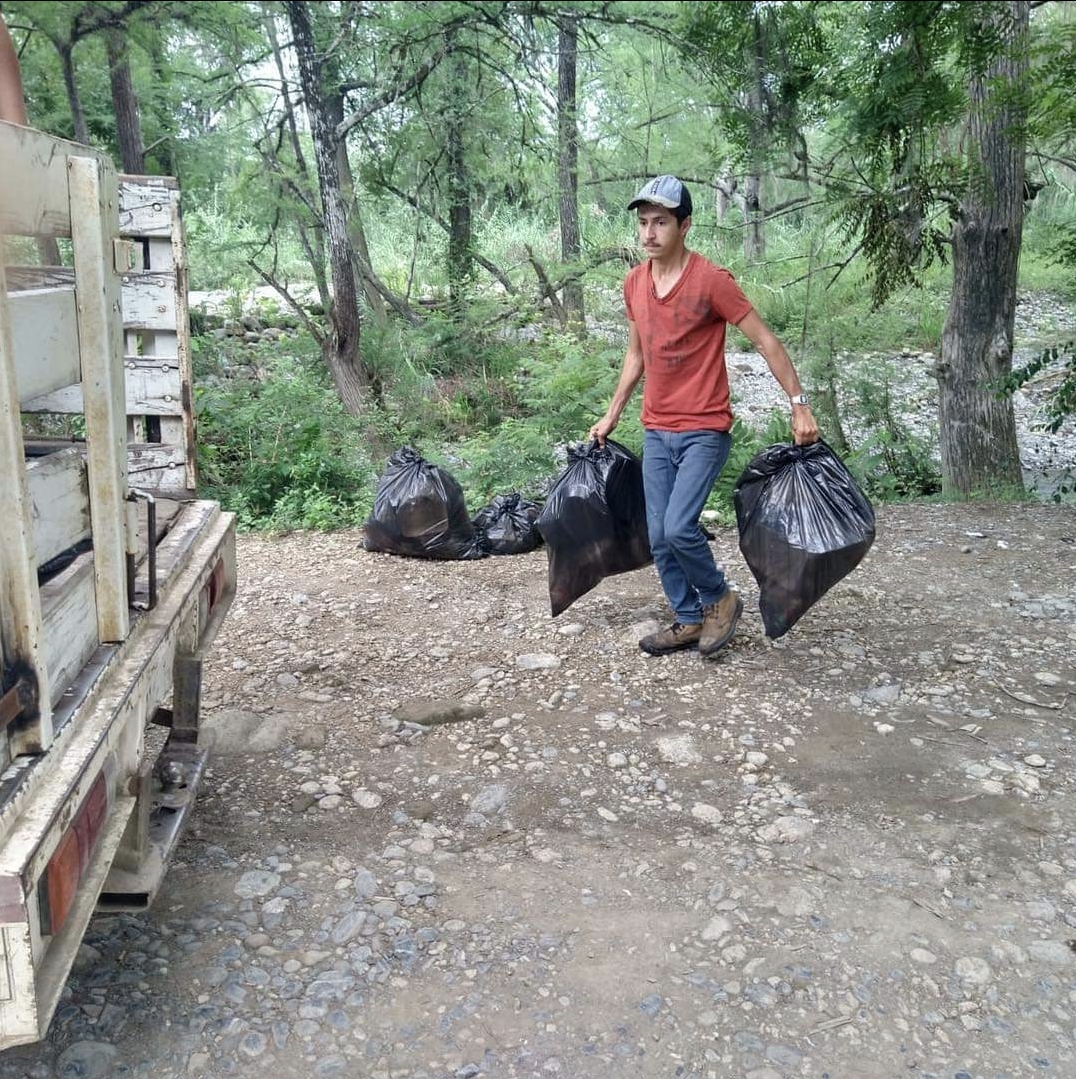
126,256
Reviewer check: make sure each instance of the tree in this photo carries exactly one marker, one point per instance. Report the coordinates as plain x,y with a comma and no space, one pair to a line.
341,345
977,424
125,104
931,165
760,61
65,25
458,181
1052,134
568,167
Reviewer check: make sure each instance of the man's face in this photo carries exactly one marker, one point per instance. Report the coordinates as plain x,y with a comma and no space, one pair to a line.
659,232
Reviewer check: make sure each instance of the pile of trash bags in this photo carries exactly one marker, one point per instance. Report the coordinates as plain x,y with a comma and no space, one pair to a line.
804,524
419,512
508,525
593,522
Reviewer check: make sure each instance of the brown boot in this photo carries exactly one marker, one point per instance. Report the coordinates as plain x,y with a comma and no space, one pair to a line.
719,622
671,639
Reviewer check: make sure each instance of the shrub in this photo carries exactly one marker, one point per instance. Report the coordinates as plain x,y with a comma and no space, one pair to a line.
280,451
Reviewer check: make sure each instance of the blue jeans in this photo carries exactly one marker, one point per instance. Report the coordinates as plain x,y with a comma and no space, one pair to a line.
679,468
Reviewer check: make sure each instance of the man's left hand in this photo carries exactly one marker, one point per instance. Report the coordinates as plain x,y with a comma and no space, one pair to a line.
804,427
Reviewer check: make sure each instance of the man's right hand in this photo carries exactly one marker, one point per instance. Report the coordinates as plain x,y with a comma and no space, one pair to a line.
601,430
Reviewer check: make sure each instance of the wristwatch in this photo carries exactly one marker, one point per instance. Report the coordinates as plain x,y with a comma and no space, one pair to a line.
799,399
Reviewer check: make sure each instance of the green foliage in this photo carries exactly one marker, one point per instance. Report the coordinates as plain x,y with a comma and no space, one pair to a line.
891,461
1060,362
515,456
906,81
855,107
568,384
563,386
443,381
895,232
279,450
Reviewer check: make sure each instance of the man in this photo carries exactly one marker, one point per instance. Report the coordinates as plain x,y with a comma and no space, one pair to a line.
679,305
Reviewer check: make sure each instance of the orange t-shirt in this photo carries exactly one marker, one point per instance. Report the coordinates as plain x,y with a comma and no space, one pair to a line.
686,383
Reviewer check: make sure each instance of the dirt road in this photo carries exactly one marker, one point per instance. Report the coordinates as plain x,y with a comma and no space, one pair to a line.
444,835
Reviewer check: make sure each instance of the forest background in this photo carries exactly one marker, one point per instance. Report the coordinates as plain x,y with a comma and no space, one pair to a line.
413,218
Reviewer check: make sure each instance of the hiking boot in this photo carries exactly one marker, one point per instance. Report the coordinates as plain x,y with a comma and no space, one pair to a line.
671,639
719,622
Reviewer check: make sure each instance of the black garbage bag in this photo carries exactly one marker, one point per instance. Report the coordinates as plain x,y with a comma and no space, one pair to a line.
508,525
804,524
594,521
419,511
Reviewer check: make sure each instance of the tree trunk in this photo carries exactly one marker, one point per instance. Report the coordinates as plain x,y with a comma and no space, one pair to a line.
977,424
79,128
163,148
312,240
342,344
356,233
725,187
754,240
460,240
568,171
125,105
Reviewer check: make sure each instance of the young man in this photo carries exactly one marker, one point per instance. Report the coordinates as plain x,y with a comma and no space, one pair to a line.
679,305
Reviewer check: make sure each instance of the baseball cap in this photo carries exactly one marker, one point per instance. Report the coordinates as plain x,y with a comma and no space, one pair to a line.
665,191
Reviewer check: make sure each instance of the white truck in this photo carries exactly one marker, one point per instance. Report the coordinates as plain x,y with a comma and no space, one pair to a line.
114,576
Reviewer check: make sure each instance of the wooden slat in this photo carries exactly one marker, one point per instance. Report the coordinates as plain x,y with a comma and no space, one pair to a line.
21,629
149,301
69,614
94,218
156,331
60,502
21,278
152,387
33,179
183,345
161,325
159,468
146,205
44,331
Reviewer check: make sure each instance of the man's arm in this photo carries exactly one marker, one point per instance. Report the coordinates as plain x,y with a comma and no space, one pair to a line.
804,427
630,374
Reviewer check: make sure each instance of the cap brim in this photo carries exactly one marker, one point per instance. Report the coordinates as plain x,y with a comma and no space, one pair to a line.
654,200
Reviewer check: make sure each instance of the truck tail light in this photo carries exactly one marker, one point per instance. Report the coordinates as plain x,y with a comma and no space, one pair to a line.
67,866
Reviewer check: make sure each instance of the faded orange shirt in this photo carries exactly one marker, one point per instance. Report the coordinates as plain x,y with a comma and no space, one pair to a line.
686,383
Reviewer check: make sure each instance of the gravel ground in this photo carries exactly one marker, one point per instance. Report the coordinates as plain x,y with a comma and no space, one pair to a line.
444,835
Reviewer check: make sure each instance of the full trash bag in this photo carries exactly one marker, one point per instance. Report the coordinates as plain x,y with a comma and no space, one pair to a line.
804,524
594,521
508,525
419,511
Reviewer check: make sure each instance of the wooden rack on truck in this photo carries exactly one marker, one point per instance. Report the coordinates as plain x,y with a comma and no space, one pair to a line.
114,576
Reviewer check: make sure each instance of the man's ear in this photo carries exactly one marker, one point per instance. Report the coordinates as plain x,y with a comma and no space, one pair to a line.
685,225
